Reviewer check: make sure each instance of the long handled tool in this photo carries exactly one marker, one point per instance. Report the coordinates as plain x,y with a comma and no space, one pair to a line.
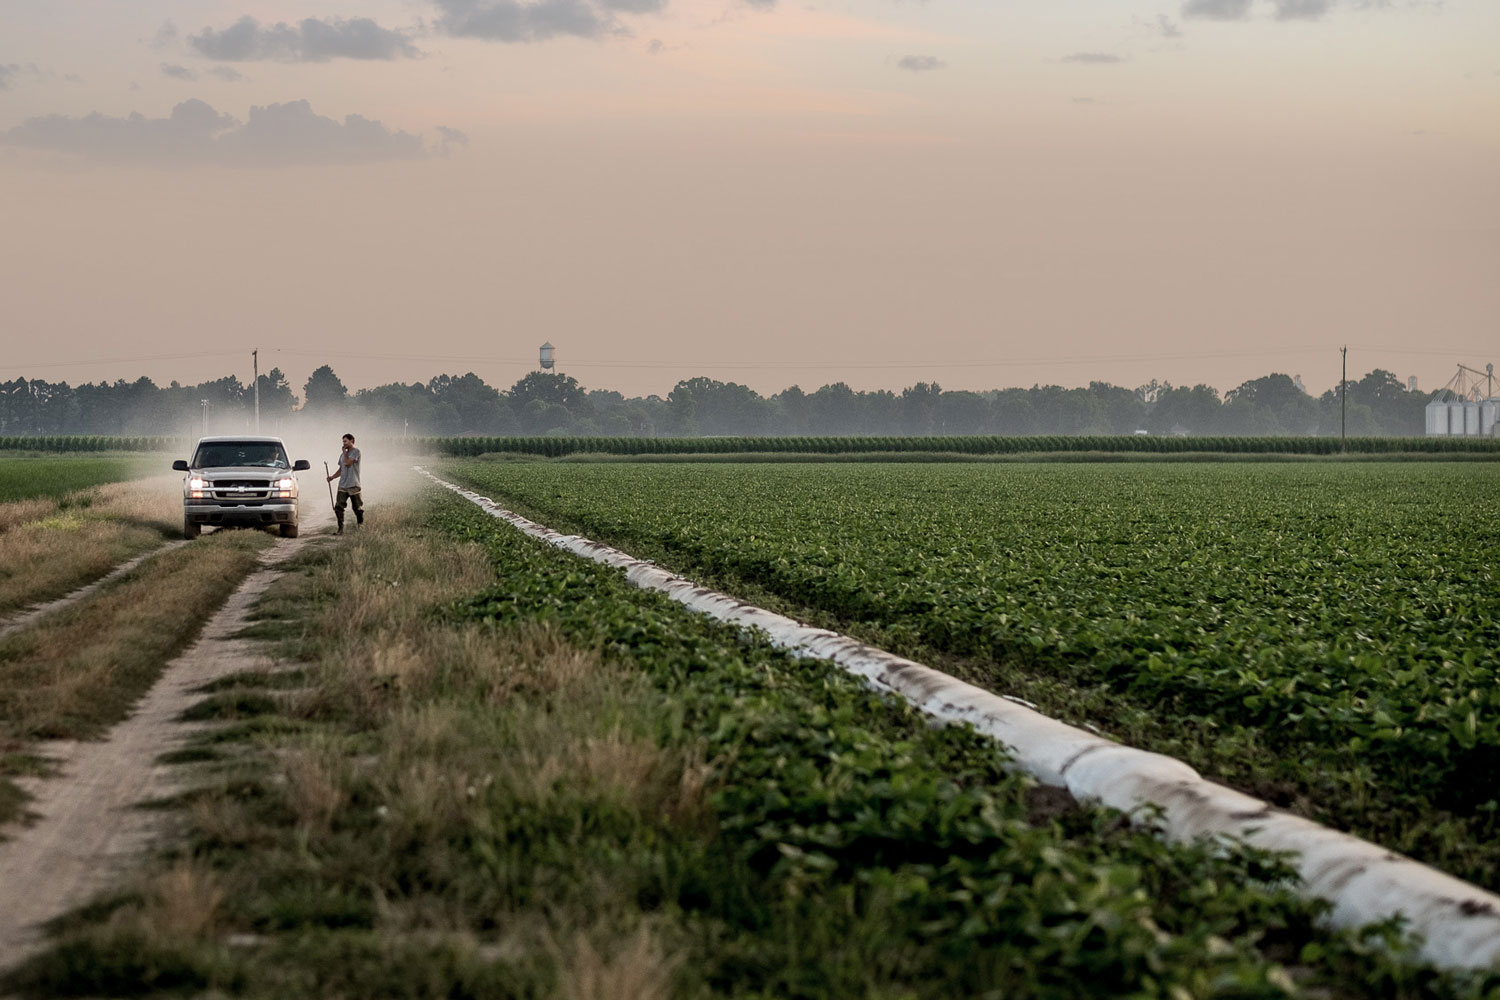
328,478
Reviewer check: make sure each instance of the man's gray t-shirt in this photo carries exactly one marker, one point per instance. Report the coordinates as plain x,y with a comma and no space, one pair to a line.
349,474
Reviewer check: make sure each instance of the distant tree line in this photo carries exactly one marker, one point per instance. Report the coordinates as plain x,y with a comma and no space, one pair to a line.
544,403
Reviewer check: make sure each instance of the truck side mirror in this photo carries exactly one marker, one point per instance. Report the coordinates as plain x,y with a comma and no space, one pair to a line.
301,465
179,466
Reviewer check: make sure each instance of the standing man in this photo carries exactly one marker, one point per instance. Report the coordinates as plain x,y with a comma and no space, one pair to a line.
348,477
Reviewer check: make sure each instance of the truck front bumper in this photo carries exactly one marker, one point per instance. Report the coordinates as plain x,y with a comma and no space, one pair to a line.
249,514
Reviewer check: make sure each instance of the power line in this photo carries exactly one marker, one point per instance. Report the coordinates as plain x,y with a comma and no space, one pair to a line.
842,363
75,363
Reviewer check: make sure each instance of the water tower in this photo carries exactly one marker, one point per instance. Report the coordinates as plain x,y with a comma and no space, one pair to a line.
547,361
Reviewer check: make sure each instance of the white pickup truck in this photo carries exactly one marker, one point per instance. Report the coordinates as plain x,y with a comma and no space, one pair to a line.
242,480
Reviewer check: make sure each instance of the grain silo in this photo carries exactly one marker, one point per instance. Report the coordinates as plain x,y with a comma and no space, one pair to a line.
1437,418
1467,406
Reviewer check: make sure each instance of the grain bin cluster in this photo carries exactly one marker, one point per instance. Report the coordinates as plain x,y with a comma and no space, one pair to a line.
1466,407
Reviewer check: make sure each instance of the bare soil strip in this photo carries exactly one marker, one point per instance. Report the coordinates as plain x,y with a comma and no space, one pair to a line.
14,624
90,827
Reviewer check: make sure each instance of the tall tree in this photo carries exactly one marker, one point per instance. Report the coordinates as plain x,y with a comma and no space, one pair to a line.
276,396
324,391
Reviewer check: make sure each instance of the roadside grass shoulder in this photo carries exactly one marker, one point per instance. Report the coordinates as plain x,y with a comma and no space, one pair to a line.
1316,638
79,671
514,775
50,546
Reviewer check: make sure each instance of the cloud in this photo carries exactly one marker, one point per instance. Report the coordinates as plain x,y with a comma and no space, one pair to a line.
1217,10
920,64
273,135
177,72
11,74
310,40
1094,58
451,137
228,73
538,20
1167,27
1302,10
166,36
1296,10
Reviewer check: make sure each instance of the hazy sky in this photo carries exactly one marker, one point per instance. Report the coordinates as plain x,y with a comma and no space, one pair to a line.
979,192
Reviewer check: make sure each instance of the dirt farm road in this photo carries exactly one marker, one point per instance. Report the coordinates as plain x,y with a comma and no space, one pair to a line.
88,827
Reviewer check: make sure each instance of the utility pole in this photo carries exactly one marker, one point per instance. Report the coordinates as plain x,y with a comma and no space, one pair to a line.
205,416
255,360
1344,401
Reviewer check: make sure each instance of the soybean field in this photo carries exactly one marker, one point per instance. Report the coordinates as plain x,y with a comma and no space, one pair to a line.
23,477
1322,636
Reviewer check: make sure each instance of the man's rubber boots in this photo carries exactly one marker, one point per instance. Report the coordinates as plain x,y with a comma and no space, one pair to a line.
340,515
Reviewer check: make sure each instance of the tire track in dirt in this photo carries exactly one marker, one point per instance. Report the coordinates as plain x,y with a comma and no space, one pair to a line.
89,827
10,626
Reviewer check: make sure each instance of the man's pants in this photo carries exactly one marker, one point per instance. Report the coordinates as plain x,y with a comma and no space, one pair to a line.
346,497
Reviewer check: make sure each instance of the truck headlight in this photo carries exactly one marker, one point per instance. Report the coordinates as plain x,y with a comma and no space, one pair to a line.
286,488
196,486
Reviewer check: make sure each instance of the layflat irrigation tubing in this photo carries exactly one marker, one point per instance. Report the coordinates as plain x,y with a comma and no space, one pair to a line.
1459,923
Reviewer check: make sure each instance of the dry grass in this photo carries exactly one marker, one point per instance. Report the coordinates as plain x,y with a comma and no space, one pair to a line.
400,810
79,670
183,902
317,787
21,512
571,725
632,968
50,547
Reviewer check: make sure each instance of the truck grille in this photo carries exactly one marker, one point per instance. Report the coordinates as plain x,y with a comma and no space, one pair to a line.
240,489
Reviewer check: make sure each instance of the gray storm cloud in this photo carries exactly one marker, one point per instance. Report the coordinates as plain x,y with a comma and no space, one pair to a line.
1302,10
8,75
920,64
195,133
310,40
1291,10
517,21
1217,10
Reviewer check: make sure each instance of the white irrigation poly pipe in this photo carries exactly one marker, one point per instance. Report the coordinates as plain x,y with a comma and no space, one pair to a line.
1459,923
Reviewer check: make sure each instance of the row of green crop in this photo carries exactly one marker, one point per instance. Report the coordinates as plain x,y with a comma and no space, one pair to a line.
554,447
851,837
57,476
1323,634
93,442
975,445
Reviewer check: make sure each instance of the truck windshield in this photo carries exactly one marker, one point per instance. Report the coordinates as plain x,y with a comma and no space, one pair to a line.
225,454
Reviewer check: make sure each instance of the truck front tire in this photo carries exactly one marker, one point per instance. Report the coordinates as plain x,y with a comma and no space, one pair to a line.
289,531
190,530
